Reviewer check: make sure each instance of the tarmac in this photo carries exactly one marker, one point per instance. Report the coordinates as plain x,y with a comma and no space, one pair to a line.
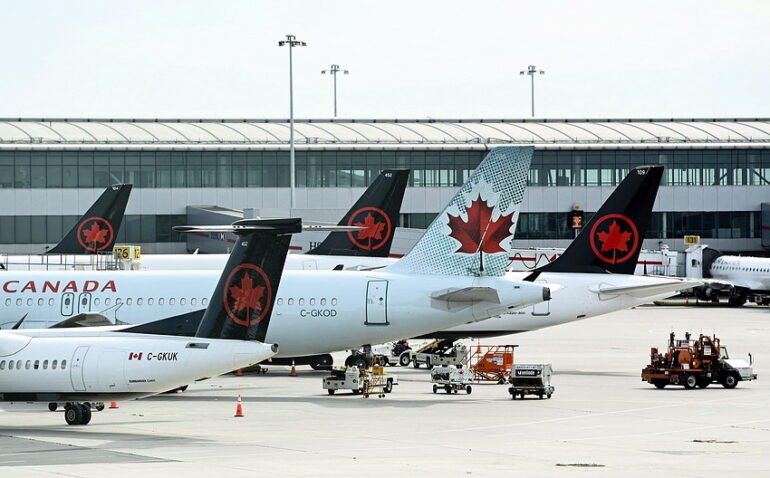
601,421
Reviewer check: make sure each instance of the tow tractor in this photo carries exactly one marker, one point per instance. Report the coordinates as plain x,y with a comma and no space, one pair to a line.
392,354
451,379
696,363
531,379
436,353
360,381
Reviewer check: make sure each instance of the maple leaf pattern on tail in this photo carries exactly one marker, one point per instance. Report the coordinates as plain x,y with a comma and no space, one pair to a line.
95,234
373,229
614,240
247,296
480,232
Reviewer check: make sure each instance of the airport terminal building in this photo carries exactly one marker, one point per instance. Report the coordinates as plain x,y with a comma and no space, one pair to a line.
716,181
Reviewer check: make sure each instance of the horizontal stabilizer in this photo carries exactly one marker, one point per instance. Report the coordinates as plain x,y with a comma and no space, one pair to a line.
468,294
649,290
85,319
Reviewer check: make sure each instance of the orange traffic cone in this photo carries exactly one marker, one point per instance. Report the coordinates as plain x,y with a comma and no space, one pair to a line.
239,373
113,404
239,408
293,372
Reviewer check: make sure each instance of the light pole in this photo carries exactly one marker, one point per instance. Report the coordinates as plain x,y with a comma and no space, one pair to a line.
291,41
333,70
531,71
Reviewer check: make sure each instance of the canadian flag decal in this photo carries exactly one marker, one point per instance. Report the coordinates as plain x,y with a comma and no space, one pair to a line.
135,356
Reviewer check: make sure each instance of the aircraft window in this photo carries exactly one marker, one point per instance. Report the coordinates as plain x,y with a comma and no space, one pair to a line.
161,301
204,301
97,301
63,364
2,364
323,301
107,301
50,301
182,301
18,301
29,301
10,365
37,364
40,301
139,301
280,301
312,301
334,301
67,300
301,301
18,365
172,301
150,301
28,365
193,301
45,364
83,301
7,302
289,302
118,301
53,364
129,301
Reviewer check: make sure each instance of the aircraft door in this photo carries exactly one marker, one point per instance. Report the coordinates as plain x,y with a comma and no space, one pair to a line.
377,302
84,302
542,309
76,369
67,304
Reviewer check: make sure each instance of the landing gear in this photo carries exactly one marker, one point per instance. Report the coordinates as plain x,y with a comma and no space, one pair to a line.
736,300
53,406
363,360
77,413
322,362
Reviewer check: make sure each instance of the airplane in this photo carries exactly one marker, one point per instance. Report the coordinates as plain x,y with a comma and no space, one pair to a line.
435,286
95,232
745,277
596,270
82,366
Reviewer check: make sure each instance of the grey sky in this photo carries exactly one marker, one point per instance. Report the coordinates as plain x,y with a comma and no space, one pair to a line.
408,59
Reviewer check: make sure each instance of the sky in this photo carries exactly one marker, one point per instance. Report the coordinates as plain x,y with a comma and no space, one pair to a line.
407,59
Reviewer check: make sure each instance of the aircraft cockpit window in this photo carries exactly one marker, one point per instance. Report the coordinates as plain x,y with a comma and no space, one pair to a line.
63,364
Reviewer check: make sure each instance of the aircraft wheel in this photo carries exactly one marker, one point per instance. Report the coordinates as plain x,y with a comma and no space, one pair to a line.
53,406
86,409
73,414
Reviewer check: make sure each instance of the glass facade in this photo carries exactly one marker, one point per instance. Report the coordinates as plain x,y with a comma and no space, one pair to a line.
51,229
225,169
663,225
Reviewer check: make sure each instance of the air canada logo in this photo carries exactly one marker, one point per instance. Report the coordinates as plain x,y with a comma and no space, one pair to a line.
480,232
614,238
378,228
95,234
247,295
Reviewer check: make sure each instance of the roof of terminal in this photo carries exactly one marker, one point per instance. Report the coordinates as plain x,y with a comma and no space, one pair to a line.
345,132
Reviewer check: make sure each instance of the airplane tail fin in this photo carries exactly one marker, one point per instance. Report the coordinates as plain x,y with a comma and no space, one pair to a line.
98,228
242,303
472,236
612,239
377,210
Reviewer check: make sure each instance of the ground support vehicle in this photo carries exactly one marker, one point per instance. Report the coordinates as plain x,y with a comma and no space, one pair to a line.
531,379
696,363
359,381
492,363
392,354
451,379
442,352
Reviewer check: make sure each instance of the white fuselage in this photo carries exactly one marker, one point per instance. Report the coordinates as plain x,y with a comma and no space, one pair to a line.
315,312
98,364
746,272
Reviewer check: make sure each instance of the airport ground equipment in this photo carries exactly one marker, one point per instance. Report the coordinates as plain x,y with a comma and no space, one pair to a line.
360,381
531,379
492,363
696,363
441,352
451,379
392,354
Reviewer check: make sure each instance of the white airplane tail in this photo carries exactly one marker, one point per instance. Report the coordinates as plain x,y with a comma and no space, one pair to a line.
472,236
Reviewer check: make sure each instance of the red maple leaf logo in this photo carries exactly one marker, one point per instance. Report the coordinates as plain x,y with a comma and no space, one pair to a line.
480,232
373,229
95,234
613,239
247,296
